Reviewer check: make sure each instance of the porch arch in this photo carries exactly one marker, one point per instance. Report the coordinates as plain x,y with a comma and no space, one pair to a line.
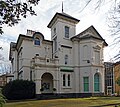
47,83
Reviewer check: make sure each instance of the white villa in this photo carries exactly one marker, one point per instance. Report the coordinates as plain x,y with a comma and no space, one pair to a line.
68,65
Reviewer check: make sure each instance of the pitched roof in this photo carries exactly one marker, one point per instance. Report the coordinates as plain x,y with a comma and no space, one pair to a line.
21,37
68,16
80,36
62,15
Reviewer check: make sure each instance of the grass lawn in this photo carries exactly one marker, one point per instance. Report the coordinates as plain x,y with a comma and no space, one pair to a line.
72,102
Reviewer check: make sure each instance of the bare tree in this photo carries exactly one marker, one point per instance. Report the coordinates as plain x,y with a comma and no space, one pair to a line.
114,26
97,2
113,20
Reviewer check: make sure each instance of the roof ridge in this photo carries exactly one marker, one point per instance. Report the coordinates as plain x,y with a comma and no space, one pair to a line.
63,14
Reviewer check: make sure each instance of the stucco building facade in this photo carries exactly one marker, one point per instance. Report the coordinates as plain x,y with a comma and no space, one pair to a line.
68,65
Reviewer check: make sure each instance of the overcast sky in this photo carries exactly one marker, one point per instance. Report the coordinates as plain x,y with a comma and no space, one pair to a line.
47,9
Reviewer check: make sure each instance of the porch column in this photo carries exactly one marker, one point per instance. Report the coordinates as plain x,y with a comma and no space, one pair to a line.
76,64
55,85
38,86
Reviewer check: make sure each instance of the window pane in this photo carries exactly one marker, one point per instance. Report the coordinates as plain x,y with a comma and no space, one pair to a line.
86,88
55,43
68,79
86,84
96,86
66,59
64,84
37,41
96,82
30,75
54,30
66,32
85,79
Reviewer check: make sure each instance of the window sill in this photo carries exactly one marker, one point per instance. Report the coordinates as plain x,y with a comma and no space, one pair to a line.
96,91
86,92
37,45
67,87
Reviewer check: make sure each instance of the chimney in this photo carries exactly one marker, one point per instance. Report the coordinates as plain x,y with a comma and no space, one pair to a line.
30,32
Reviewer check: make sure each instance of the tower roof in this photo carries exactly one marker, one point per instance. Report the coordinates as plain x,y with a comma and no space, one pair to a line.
62,16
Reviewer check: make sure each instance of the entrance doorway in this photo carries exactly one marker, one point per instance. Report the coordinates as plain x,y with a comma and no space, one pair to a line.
47,83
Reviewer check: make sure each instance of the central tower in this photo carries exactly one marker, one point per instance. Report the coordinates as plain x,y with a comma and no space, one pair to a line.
63,27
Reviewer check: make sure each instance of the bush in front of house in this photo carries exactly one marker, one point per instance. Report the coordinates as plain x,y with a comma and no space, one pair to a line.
2,99
19,89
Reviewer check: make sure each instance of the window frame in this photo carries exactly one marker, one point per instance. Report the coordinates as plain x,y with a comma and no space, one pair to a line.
66,59
37,41
55,44
66,80
69,80
96,83
86,84
67,31
31,75
54,30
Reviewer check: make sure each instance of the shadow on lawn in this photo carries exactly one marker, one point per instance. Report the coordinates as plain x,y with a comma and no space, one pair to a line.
115,105
105,98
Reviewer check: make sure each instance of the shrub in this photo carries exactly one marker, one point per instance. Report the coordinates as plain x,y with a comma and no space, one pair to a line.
19,89
2,99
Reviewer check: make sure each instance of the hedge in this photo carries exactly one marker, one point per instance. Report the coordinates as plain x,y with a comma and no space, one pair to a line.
19,89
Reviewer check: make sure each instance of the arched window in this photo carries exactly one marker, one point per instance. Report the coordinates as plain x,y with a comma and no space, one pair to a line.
96,82
66,59
36,41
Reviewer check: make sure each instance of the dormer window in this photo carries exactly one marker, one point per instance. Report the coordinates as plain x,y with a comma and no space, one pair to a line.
36,41
66,32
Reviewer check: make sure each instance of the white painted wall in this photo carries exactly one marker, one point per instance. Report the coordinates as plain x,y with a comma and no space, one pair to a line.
81,57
